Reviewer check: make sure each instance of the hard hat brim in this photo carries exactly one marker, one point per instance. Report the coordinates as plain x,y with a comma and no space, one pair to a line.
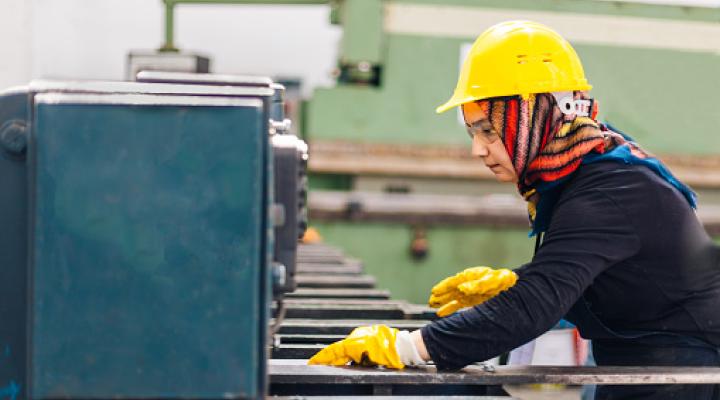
452,103
457,101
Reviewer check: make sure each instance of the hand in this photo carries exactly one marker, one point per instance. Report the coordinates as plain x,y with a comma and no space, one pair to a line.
366,345
470,287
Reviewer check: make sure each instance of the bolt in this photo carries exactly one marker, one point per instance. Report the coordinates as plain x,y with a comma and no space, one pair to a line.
13,136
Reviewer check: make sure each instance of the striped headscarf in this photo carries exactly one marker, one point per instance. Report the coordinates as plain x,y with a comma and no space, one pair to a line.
546,146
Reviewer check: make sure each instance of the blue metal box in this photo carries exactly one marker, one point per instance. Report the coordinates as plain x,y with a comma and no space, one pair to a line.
290,155
134,242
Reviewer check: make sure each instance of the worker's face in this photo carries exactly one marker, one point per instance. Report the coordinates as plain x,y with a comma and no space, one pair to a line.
488,146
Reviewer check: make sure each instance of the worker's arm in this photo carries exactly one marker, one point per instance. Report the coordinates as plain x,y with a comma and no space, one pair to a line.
417,340
588,234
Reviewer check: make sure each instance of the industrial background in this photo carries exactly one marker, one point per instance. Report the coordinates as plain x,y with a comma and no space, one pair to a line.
378,133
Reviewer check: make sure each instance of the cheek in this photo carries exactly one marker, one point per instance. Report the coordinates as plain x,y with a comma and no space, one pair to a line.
500,155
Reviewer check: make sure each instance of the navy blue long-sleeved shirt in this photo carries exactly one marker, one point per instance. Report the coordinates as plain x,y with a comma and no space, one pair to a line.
622,240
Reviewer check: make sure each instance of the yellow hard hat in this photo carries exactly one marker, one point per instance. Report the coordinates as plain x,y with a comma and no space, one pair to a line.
517,58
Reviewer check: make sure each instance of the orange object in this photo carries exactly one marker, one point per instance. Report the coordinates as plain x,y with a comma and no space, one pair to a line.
311,236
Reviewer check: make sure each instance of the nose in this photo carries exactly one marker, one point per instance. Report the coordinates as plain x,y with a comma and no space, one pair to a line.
479,149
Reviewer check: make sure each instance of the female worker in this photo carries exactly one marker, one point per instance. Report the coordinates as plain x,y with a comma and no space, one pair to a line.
623,255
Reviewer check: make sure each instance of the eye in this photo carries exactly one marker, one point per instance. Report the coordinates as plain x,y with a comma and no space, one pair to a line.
486,127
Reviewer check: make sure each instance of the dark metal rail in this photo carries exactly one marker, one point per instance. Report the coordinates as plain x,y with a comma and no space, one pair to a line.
391,398
341,327
331,281
298,372
331,293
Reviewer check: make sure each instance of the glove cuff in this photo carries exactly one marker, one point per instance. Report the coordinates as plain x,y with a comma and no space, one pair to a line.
406,349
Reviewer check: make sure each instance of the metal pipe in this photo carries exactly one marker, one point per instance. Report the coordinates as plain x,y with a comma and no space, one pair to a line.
169,45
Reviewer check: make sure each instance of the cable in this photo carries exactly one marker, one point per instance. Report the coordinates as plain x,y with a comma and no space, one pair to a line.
279,317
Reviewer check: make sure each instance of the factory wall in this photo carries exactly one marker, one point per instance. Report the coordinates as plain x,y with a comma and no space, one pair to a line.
15,42
80,39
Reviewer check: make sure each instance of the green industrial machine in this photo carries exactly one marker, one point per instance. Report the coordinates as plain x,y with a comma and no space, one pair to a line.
653,68
137,241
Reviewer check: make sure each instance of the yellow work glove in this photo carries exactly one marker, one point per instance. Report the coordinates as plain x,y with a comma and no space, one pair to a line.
366,345
468,288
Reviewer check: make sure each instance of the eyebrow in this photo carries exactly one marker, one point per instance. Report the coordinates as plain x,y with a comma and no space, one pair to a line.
462,110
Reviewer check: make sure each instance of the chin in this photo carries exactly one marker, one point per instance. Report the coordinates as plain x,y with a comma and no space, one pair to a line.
504,178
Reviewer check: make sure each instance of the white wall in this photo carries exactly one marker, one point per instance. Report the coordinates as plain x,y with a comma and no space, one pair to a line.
15,42
90,39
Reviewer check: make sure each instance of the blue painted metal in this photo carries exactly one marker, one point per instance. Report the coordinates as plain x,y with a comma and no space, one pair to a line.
289,158
13,253
149,246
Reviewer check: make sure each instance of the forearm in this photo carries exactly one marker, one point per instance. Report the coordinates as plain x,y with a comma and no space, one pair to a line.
486,331
420,345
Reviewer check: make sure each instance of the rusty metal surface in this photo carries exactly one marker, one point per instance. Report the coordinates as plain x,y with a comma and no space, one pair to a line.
297,372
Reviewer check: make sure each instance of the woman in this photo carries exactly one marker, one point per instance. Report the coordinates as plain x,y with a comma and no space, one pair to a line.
623,255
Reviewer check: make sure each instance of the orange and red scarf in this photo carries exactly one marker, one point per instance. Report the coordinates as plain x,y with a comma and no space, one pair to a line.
547,146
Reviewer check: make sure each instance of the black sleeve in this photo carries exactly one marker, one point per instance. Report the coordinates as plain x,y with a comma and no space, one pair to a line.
588,233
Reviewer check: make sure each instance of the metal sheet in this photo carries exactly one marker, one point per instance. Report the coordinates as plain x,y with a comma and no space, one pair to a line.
148,242
327,310
322,281
339,293
392,398
297,372
329,269
13,246
294,351
342,327
320,258
309,339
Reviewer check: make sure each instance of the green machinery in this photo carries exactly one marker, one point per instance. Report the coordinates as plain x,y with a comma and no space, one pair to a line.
654,71
137,223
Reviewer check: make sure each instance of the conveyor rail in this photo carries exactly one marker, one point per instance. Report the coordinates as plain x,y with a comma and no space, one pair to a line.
342,326
298,372
296,376
334,293
331,281
392,398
